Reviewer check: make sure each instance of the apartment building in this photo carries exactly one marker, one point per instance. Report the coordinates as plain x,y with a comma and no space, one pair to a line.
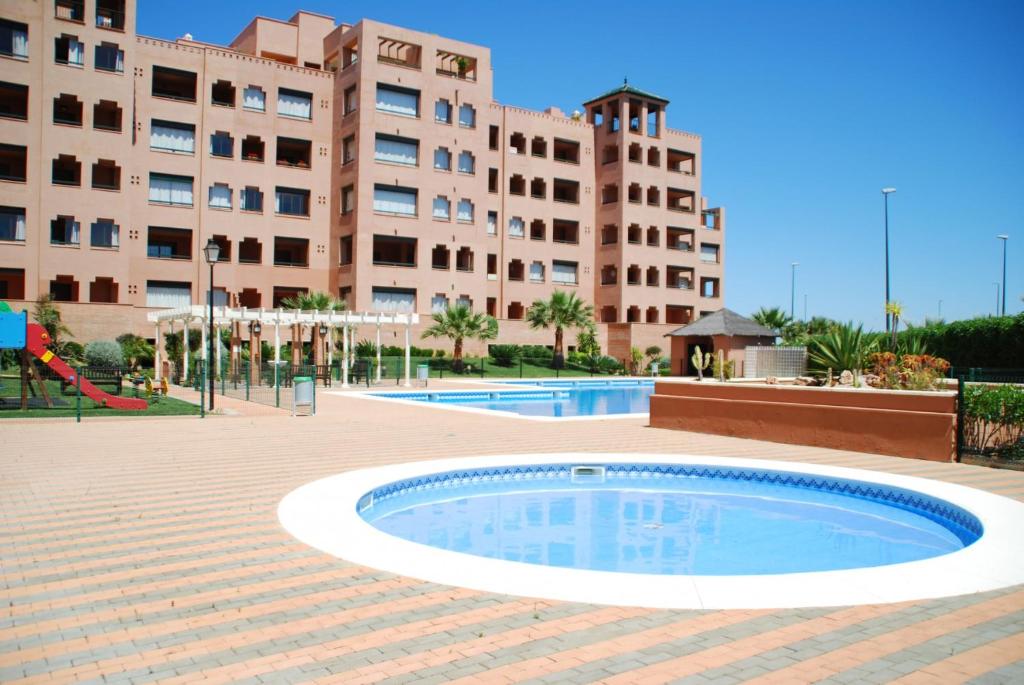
367,160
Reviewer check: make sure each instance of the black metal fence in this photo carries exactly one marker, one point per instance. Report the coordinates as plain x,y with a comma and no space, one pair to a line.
990,413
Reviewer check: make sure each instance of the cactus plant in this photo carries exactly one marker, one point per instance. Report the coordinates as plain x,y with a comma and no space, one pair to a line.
701,361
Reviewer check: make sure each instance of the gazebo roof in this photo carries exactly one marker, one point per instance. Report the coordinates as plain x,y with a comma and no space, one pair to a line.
627,89
725,322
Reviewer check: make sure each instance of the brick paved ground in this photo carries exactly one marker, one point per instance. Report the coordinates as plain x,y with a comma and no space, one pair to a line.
148,551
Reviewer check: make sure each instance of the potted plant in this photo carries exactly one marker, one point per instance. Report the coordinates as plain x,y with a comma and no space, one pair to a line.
462,63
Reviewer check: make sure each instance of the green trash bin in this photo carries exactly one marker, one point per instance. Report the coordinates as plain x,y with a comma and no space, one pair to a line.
423,372
302,393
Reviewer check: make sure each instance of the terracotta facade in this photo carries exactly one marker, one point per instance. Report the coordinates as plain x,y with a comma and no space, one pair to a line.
367,160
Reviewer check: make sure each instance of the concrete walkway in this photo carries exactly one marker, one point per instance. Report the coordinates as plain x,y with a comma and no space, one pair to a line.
149,551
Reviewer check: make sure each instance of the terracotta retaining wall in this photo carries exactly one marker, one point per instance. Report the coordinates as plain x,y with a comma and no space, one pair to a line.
920,425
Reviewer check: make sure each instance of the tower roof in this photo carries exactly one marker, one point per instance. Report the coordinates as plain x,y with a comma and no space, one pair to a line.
626,89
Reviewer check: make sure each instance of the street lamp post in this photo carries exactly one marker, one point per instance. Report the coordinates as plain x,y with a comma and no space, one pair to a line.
1005,238
212,254
996,284
792,290
885,193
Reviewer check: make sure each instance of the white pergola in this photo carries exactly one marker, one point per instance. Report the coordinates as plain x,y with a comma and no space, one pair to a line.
226,316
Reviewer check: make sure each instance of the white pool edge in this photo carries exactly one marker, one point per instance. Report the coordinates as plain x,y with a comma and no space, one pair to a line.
323,515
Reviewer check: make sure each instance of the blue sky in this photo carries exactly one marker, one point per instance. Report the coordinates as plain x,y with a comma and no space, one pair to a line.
807,109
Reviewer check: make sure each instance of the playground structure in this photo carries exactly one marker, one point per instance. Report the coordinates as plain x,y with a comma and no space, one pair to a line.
32,341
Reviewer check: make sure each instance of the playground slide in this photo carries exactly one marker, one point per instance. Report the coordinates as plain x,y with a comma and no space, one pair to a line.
36,339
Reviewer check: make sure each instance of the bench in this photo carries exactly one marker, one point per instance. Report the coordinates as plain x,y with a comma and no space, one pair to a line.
98,377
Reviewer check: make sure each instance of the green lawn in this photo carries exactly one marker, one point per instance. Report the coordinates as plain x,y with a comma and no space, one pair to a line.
163,406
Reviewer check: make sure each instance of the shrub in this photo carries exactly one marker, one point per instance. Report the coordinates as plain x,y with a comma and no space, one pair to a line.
990,341
136,350
994,419
537,354
723,370
844,348
908,371
104,353
366,348
606,364
506,355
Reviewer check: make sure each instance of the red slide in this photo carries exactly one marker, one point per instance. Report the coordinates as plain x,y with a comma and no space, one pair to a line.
36,339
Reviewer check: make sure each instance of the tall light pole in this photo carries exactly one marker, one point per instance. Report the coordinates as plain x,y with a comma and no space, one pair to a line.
996,284
792,291
212,254
940,309
1005,238
885,193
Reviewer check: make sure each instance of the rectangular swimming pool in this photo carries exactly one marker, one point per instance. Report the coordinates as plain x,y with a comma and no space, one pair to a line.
546,399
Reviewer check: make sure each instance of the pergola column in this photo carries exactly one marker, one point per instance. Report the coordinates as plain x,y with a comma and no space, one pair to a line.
296,344
344,356
184,351
255,356
378,348
216,347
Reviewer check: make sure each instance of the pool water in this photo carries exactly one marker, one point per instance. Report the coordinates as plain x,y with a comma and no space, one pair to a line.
718,523
550,398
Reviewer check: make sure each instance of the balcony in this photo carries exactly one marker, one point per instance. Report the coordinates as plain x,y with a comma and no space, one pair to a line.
567,151
293,152
291,252
710,287
110,14
563,231
566,191
440,258
13,162
680,239
681,200
106,175
464,259
169,243
66,171
679,277
106,116
394,251
398,52
253,149
610,154
174,84
69,10
681,162
222,94
13,101
454,65
250,251
67,110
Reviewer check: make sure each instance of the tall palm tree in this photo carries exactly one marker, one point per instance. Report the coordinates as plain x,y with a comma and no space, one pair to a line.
459,323
774,318
562,310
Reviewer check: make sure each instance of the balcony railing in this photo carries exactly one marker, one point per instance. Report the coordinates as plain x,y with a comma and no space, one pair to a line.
451,73
70,11
109,19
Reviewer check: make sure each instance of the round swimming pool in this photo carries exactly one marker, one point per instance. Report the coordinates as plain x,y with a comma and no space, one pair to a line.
664,530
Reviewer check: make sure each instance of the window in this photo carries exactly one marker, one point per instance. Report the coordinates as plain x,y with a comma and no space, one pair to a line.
708,253
610,234
106,116
492,223
110,14
443,111
564,272
104,233
109,57
442,208
13,101
350,100
106,175
250,199
465,214
169,243
13,162
64,230
538,230
254,99
66,171
467,163
222,94
538,188
175,84
515,227
537,272
438,304
440,258
539,147
348,150
67,109
103,290
395,100
222,144
563,231
442,159
166,189
467,116
291,201
12,224
294,103
13,39
394,300
464,259
345,250
394,200
396,150
348,199
220,196
171,136
64,289
492,266
709,287
566,151
68,50
493,136
492,180
250,251
168,294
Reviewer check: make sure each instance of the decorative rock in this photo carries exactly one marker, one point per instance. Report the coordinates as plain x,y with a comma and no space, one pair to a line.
846,378
771,380
804,380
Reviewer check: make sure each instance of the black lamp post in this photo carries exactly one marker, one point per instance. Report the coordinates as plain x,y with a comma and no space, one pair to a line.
885,194
1004,238
792,291
212,254
323,339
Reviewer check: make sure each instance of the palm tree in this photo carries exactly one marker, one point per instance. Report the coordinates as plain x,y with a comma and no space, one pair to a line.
773,318
314,301
562,310
458,323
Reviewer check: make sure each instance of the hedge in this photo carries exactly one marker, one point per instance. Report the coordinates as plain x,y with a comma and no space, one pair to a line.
991,341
